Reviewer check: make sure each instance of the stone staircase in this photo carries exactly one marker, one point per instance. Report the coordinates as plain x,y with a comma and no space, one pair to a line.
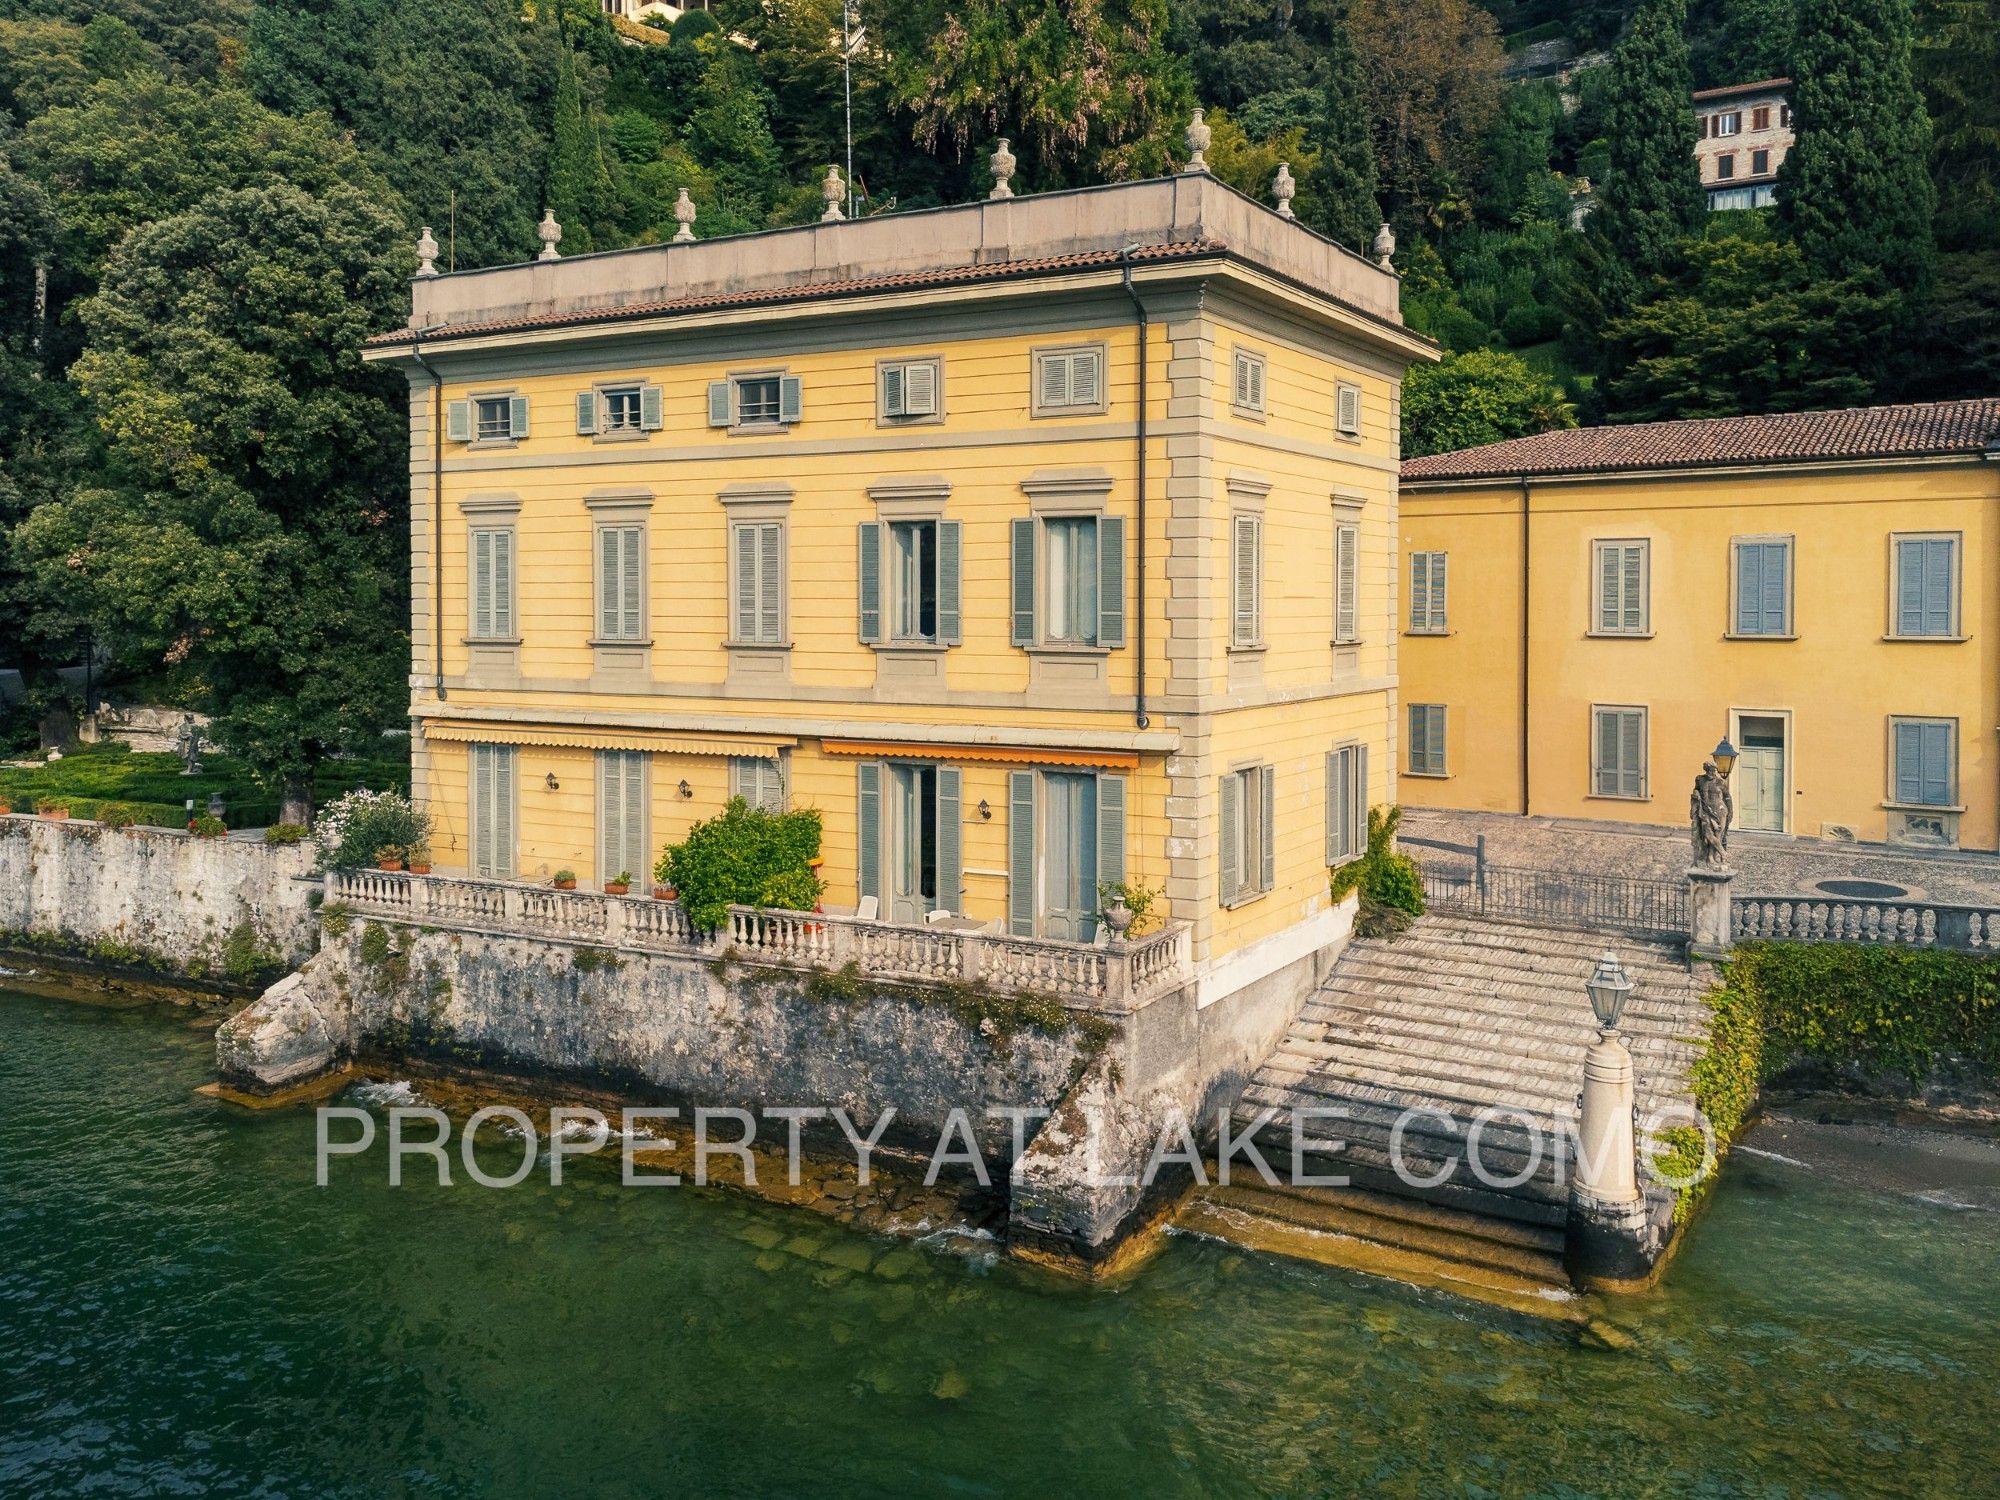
1456,1016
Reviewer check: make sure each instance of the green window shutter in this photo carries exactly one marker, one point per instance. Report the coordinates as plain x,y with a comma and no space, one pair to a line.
651,418
1232,824
1024,580
1243,581
1909,763
1749,588
503,584
1111,830
1936,764
608,575
770,582
1111,581
1438,594
1053,377
1632,753
746,582
631,584
1021,853
1346,583
791,399
1358,841
869,571
586,412
458,421
610,813
868,828
1634,586
1420,591
949,582
718,403
892,390
950,841
1267,777
482,583
517,417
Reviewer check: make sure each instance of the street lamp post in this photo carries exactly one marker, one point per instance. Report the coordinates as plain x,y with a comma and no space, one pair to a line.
1607,1166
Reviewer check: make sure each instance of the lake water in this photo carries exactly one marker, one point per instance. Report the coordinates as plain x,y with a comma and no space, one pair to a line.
182,1312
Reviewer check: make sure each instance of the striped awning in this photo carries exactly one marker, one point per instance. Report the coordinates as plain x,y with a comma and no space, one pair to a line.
1012,755
580,737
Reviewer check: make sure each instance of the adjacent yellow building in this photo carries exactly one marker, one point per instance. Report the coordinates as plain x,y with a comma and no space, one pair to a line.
1591,612
1038,543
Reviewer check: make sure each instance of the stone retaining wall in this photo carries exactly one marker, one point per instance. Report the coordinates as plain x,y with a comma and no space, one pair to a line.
209,910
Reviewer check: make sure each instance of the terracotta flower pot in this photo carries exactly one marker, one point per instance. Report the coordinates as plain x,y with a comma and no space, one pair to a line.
423,869
56,814
665,893
388,864
615,888
565,885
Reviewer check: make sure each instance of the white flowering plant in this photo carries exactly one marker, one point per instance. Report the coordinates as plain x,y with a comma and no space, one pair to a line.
353,829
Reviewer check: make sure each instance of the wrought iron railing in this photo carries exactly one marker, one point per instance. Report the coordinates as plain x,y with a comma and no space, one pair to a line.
1569,898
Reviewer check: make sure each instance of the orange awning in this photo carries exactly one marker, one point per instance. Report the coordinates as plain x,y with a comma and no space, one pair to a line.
1012,755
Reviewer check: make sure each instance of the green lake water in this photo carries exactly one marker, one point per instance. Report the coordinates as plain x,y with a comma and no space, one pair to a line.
182,1312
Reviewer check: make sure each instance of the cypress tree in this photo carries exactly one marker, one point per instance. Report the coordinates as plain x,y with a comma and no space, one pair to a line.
579,185
1855,191
1339,193
1652,197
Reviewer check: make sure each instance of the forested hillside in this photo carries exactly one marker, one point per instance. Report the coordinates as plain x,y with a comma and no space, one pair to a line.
205,204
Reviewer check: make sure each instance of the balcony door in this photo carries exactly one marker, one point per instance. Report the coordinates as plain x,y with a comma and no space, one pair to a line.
1762,775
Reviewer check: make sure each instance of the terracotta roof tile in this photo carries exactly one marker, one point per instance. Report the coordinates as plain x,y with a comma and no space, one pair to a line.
1921,430
807,290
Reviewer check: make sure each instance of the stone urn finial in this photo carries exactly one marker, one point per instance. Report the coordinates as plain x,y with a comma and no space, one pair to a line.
549,232
1002,163
1198,137
1284,189
684,216
1385,248
834,191
427,253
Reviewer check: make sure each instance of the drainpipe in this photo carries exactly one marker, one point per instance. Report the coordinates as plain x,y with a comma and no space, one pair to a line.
1139,716
1525,616
437,502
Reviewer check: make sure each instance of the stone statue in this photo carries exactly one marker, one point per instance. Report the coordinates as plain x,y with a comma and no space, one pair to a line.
188,741
1710,811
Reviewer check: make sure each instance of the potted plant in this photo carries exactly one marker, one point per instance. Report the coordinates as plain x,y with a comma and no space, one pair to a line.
418,858
619,884
664,888
389,857
52,807
208,826
565,880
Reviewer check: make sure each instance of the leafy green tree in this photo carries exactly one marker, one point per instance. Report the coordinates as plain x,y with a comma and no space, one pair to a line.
1651,199
247,538
1337,194
1432,72
579,189
1855,190
1480,396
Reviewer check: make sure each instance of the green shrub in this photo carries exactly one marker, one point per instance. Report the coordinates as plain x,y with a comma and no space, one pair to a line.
1384,877
735,858
1139,899
287,833
791,890
207,827
354,830
51,804
117,814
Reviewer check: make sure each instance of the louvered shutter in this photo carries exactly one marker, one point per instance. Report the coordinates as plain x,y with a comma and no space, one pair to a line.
1420,591
517,417
610,814
1632,753
503,810
951,549
1633,581
458,421
1110,830
868,570
1232,824
1607,589
1358,837
1339,804
1348,410
1085,378
1774,587
1111,581
746,582
1053,376
868,829
1439,596
492,779
770,583
1909,763
503,585
1244,580
1242,396
1749,589
950,841
791,399
920,389
586,412
1936,764
631,584
892,390
718,403
1267,781
1023,529
479,776
651,416
482,583
1346,583
1937,586
1021,853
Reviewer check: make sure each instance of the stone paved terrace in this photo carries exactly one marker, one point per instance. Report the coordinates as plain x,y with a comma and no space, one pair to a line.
1767,864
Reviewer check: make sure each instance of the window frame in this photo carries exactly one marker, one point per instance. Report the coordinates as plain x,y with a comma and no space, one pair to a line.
1725,166
1038,408
1644,629
1760,161
741,772
1256,869
1355,813
1955,621
738,523
608,395
475,525
1597,767
886,418
1342,390
1242,524
505,400
1046,577
1728,122
1760,117
893,594
601,761
601,582
1735,631
1438,753
1953,802
1437,592
1256,366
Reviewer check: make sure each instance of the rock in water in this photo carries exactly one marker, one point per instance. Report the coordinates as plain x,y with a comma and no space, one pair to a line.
281,1039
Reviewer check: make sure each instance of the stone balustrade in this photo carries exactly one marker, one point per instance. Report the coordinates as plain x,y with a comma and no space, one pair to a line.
1910,924
1110,977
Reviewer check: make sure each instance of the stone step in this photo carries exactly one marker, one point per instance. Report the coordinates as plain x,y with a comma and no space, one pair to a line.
1480,990
1421,1038
1365,1160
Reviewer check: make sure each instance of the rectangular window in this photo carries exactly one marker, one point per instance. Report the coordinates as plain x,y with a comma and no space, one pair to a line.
1926,586
758,781
495,419
622,409
1070,597
491,779
493,583
1729,122
1247,387
1246,589
1725,165
1760,163
621,816
1346,583
908,389
757,399
1427,593
1248,852
621,583
1069,380
1760,117
1785,116
758,561
1924,770
1347,409
1618,752
1623,588
1763,587
1427,729
1068,583
1346,804
913,579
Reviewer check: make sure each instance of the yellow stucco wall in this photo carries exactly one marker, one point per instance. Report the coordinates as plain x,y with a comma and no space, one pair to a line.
1837,683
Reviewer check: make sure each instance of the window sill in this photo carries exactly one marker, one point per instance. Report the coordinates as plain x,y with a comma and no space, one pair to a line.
935,419
488,445
1430,775
1927,640
911,648
622,435
1348,437
630,641
1924,808
760,429
1248,898
1255,648
1345,642
1066,648
1617,797
1433,634
1618,635
1249,414
756,645
1739,635
490,640
1043,413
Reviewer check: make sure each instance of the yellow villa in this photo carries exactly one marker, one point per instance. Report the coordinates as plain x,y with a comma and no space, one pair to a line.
1591,612
1039,543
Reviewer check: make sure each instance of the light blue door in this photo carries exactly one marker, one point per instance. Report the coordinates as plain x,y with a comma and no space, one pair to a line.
1069,855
